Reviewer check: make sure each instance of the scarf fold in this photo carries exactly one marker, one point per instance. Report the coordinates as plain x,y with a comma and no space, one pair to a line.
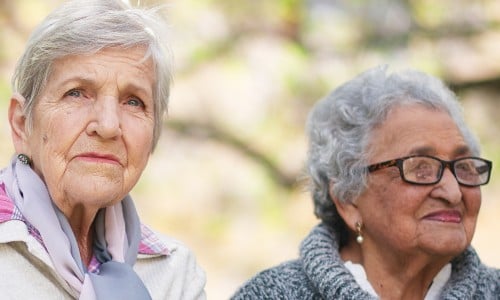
116,242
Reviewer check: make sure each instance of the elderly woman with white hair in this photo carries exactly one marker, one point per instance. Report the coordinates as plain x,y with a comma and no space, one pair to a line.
90,92
395,177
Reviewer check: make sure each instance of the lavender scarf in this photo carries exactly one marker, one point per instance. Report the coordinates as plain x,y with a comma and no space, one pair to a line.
117,237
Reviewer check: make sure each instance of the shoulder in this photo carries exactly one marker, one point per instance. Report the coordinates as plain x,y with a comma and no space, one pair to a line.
285,281
470,278
487,283
469,264
157,244
172,274
156,247
22,260
491,275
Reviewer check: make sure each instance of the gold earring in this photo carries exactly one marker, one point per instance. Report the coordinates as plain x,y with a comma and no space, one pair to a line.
359,237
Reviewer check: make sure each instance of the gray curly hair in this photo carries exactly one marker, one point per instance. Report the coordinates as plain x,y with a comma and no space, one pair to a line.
85,27
340,126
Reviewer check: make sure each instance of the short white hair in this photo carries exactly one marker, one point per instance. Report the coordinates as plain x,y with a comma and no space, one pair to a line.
85,27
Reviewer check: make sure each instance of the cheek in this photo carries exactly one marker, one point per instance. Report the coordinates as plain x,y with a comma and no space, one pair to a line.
46,127
472,201
376,205
54,138
139,141
391,218
51,139
138,127
397,204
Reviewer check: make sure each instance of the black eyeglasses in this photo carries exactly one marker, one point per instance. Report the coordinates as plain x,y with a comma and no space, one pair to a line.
427,170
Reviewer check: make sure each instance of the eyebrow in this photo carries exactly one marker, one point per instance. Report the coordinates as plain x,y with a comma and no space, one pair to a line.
138,89
426,150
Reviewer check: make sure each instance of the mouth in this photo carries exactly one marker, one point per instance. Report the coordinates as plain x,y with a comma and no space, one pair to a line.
99,158
446,216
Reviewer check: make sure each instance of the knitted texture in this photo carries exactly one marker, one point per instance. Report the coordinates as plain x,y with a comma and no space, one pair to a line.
319,273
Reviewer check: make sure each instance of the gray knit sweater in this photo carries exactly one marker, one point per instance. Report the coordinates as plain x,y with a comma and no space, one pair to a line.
319,273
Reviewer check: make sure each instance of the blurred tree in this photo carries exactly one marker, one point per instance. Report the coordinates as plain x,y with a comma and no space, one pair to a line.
229,170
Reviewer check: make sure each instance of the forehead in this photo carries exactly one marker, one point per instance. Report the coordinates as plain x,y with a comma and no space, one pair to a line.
121,65
416,129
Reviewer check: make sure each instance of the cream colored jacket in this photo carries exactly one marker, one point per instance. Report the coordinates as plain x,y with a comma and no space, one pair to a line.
26,271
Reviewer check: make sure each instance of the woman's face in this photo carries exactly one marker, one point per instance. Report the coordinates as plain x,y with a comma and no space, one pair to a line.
93,127
401,218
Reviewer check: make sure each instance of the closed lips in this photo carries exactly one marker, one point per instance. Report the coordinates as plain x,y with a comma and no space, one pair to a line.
452,216
100,157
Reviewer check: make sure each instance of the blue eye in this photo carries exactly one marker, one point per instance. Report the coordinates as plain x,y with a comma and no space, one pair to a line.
74,93
135,102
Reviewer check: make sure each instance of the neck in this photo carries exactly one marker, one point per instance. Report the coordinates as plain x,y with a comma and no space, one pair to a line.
392,275
81,222
408,284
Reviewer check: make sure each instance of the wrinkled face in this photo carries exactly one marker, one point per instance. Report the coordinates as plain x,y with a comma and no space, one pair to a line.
93,127
399,217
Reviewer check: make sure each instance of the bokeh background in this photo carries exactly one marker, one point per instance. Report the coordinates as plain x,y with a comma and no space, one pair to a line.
227,176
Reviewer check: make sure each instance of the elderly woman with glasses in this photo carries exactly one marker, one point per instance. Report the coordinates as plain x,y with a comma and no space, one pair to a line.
395,177
90,92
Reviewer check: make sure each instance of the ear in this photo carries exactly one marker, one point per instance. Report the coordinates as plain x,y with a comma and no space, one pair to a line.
17,121
349,212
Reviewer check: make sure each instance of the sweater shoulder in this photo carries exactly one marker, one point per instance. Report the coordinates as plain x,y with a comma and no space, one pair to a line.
471,279
284,281
489,278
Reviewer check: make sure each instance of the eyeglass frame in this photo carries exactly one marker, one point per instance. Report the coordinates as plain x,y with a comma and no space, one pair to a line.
398,162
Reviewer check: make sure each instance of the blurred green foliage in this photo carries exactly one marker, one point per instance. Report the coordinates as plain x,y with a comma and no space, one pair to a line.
227,177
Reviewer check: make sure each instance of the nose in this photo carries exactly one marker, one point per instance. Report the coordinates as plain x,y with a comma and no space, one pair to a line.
106,120
448,188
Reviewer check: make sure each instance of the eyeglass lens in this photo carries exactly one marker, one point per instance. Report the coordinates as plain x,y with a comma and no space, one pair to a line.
468,171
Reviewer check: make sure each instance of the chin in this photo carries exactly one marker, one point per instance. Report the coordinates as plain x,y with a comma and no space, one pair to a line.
446,239
96,198
451,246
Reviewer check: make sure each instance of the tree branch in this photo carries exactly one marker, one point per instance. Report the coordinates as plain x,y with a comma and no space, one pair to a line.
209,131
